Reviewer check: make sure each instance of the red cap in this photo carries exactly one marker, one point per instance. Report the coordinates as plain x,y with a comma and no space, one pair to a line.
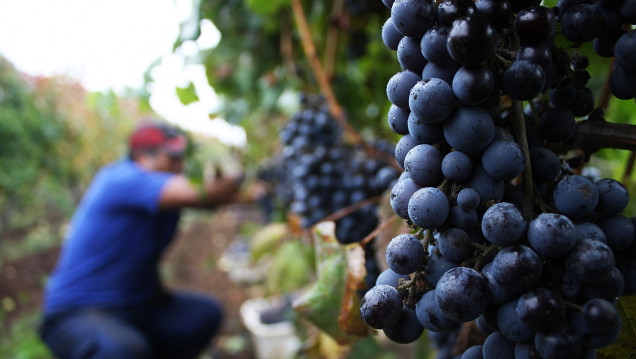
158,136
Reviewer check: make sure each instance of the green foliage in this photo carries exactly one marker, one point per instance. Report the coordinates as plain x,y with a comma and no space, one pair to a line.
22,341
187,95
291,267
624,346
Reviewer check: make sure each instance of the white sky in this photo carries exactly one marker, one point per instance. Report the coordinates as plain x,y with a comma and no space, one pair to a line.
109,45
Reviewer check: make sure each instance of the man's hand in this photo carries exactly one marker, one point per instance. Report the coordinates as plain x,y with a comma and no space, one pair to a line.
180,192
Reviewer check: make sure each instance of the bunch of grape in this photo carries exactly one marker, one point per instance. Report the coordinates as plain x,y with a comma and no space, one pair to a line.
505,233
325,175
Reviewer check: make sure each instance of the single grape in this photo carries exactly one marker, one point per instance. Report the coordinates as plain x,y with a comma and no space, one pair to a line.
473,85
403,147
552,235
535,24
457,166
556,125
436,266
503,160
538,53
428,133
487,187
539,308
413,17
575,196
589,230
503,224
517,268
398,120
469,129
407,329
409,55
462,218
619,231
545,164
390,35
431,100
389,277
498,12
558,342
399,87
590,261
582,23
428,208
471,40
423,163
511,325
523,80
474,352
461,294
400,196
449,10
381,307
429,315
467,198
405,254
454,244
433,45
526,351
497,345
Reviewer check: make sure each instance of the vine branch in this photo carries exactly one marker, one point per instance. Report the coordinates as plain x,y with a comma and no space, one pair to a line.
519,128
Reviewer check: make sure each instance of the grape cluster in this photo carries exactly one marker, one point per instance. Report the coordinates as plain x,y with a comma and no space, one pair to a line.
324,175
505,232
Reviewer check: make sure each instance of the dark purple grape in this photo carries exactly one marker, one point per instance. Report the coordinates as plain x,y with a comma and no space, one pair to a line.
473,85
429,315
582,23
619,231
389,277
538,53
461,294
428,133
498,346
409,55
546,165
449,10
609,289
612,197
399,87
423,163
526,351
454,244
428,208
433,45
599,323
517,268
511,325
487,187
461,218
381,307
539,308
436,267
625,49
467,198
628,11
413,17
390,35
622,82
497,11
403,146
503,160
469,129
552,235
556,125
588,230
583,103
503,224
535,24
563,95
457,166
575,196
559,342
590,261
474,352
407,330
523,80
398,120
400,196
405,254
471,40
431,100
445,71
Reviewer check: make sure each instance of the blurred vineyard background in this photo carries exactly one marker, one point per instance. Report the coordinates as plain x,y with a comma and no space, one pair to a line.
54,135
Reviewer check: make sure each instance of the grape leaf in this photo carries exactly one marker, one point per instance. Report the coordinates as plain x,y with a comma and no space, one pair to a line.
624,346
267,238
350,319
321,302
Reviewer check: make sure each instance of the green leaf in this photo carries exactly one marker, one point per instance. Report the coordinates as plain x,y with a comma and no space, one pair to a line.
267,238
188,94
266,7
624,346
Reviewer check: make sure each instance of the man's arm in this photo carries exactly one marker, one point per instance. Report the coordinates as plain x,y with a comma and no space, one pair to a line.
180,192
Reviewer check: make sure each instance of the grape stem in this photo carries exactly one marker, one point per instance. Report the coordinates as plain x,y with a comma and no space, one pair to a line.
518,123
573,306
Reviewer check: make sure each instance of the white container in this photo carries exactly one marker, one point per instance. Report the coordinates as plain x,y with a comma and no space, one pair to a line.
271,341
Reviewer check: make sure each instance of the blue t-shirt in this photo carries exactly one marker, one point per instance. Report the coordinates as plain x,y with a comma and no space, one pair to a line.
117,235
